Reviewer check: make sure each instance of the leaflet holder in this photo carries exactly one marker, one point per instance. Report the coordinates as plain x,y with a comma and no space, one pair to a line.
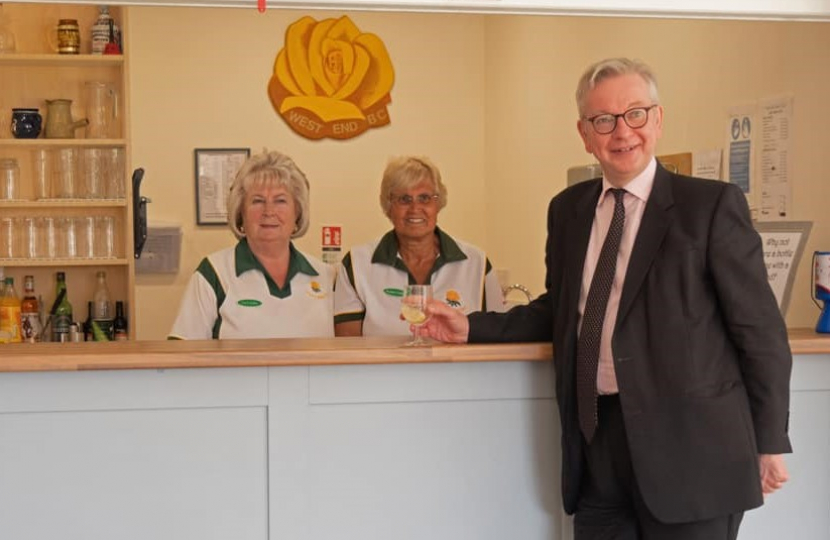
139,213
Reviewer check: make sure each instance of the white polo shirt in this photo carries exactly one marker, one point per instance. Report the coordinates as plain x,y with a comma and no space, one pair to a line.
232,296
372,279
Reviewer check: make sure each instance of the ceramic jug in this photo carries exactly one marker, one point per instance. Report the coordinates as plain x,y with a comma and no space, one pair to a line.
59,123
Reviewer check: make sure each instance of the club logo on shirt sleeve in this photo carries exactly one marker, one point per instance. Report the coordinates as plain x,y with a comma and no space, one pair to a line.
453,298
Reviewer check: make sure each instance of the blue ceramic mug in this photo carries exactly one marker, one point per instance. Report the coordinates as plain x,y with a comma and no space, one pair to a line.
26,123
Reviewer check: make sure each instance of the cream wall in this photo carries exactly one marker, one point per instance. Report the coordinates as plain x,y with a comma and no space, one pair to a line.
703,68
199,79
489,98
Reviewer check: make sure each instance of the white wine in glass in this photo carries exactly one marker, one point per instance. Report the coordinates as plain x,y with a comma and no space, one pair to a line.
414,309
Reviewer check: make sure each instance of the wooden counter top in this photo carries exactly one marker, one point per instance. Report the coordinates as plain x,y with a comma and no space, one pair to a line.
288,352
247,353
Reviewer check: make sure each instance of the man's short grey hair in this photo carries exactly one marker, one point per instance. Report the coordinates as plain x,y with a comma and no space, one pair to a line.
613,67
265,169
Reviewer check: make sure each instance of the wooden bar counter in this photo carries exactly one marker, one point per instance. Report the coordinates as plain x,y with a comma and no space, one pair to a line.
321,439
289,352
253,353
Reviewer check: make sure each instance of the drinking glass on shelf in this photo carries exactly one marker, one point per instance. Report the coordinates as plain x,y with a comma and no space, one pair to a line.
66,245
117,185
9,179
42,173
93,173
46,237
8,238
413,309
104,237
85,230
29,238
66,170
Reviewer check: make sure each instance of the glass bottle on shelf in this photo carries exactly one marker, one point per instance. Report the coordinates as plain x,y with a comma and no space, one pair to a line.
61,312
120,323
87,329
114,45
10,320
101,30
30,312
102,313
5,336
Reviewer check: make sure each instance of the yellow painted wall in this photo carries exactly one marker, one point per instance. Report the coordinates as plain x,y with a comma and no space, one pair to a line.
489,98
199,79
703,67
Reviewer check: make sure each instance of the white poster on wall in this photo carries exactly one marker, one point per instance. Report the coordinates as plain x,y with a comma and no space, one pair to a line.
706,164
776,117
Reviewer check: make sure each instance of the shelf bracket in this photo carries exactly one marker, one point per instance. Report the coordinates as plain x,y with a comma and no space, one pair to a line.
139,213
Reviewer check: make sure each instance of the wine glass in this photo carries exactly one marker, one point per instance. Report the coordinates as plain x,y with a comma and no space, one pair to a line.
414,310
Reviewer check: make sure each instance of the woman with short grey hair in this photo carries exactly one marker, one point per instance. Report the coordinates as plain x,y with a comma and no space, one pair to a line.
263,287
372,277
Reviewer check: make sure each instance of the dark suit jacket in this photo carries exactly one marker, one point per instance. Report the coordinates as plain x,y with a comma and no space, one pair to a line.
700,348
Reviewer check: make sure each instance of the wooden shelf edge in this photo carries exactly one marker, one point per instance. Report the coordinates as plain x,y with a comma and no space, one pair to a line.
68,60
81,143
63,203
42,263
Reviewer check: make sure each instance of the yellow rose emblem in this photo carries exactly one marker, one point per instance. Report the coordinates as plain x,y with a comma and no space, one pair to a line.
331,80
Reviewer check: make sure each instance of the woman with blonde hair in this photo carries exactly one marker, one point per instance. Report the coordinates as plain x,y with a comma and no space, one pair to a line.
372,277
263,287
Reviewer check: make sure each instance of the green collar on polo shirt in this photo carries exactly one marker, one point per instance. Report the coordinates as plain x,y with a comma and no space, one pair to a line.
387,252
297,263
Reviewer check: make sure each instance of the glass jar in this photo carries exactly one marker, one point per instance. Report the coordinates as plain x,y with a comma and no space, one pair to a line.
69,36
9,179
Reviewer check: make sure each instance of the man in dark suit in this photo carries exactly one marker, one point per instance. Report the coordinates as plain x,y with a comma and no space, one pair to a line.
672,359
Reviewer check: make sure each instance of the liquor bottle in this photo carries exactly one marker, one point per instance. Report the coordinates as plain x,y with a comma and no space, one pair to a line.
87,329
61,311
30,312
114,45
102,313
4,335
101,30
120,323
10,320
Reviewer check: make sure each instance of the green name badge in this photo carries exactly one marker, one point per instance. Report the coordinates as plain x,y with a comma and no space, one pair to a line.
394,292
249,303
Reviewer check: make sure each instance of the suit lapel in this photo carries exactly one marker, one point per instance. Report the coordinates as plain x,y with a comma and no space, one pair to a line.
653,227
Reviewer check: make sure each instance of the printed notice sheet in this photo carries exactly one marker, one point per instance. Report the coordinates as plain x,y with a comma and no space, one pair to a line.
706,164
740,148
215,172
776,117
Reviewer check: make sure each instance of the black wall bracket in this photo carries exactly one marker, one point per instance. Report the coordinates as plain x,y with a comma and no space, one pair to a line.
139,213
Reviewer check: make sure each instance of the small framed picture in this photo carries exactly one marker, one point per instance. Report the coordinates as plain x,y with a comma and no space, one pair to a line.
215,169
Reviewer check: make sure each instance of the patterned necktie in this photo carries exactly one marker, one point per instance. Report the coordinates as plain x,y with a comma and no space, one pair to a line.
587,348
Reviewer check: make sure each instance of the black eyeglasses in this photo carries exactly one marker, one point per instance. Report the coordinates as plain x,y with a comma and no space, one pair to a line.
408,200
605,123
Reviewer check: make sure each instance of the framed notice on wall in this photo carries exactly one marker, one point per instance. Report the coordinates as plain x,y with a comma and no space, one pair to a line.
783,243
215,169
